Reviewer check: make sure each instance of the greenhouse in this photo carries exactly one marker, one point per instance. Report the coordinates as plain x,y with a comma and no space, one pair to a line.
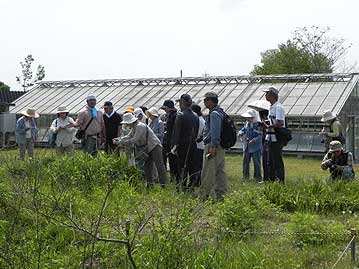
304,97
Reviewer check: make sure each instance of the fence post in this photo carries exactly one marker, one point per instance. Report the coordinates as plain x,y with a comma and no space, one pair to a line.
353,233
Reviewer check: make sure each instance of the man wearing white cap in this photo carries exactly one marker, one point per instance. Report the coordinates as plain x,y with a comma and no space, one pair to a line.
339,163
90,120
26,132
64,137
276,119
147,144
332,132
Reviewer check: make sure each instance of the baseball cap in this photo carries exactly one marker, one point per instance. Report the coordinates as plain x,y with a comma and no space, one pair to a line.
272,90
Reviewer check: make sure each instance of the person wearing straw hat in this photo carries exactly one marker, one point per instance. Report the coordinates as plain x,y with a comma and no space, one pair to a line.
156,123
112,121
62,127
339,162
333,130
26,132
148,147
90,119
252,144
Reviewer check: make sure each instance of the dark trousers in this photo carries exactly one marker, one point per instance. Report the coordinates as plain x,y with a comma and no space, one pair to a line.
265,161
276,165
199,165
186,164
172,160
109,146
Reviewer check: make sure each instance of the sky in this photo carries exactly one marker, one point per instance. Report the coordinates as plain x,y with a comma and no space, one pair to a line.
113,39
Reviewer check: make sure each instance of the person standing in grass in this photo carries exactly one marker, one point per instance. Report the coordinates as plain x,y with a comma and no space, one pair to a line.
26,132
339,162
156,124
112,121
90,119
252,144
148,147
200,144
213,172
276,119
64,132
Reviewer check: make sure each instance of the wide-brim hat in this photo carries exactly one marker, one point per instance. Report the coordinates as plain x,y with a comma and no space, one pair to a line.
335,146
327,116
259,105
30,112
128,118
152,111
62,109
249,114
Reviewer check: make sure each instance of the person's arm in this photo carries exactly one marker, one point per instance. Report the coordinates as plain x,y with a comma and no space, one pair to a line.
176,130
279,118
53,127
129,139
336,130
20,127
242,131
215,128
326,162
80,119
161,128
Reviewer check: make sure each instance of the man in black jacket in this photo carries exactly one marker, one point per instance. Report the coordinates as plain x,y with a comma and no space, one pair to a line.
170,118
184,142
112,126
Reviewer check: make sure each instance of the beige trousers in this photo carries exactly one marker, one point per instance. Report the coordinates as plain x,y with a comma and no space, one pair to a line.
213,174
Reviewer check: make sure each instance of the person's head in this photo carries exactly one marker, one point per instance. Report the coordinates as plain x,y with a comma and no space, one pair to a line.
139,114
185,101
129,120
210,100
271,94
144,109
152,113
250,115
197,109
108,107
62,112
336,148
91,100
129,109
328,117
168,105
30,113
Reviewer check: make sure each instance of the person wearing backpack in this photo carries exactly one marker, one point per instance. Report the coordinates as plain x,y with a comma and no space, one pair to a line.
213,172
276,119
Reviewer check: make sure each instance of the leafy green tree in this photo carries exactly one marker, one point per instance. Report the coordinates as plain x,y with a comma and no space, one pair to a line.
27,78
4,87
310,50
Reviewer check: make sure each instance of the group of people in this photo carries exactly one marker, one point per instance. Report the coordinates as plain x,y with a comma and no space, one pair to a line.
184,138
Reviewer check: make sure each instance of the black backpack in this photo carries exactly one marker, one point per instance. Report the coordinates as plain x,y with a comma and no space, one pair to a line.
229,131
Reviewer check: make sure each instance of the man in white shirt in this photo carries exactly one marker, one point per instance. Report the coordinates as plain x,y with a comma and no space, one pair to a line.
276,120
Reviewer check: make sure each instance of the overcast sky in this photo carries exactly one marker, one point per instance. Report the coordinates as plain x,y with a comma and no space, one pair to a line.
87,39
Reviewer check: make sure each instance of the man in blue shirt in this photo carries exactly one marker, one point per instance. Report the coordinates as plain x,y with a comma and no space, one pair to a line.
213,173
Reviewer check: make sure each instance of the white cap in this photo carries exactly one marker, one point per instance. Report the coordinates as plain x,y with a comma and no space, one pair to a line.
91,96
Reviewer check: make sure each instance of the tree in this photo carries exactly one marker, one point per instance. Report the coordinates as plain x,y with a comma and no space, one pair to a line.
4,87
309,51
27,80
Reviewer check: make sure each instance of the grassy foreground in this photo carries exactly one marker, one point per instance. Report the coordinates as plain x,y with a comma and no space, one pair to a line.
96,213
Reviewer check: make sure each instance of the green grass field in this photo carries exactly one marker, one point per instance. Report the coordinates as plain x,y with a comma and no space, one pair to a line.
54,213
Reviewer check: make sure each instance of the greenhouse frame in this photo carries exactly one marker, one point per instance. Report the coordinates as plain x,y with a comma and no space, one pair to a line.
304,98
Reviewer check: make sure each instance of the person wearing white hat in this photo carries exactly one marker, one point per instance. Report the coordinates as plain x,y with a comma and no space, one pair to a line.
90,121
339,162
276,119
62,132
332,132
26,132
252,144
148,148
156,123
140,115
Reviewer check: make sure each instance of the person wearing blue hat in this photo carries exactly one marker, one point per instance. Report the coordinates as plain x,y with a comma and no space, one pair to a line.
112,122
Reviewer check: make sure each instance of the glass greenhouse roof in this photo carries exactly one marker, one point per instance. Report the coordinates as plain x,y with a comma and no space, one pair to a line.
301,95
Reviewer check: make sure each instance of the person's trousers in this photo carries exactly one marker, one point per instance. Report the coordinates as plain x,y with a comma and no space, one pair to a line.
155,159
187,166
172,161
90,145
256,156
276,165
213,174
110,147
62,150
199,165
29,146
265,161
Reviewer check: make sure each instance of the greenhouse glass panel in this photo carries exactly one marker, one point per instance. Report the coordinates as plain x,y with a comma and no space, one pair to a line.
317,101
296,110
78,96
311,89
51,106
338,89
290,101
24,99
285,91
80,102
228,90
318,144
303,101
42,103
310,110
293,144
324,90
305,142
